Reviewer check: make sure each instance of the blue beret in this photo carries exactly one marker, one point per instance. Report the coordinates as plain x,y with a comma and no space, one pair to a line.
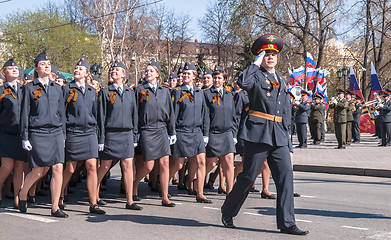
41,57
118,63
28,76
189,66
155,64
173,75
83,62
180,70
217,68
60,76
207,71
11,62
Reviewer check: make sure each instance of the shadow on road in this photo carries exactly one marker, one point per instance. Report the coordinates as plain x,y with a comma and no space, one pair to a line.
324,213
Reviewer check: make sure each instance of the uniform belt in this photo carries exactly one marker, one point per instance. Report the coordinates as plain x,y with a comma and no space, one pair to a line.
270,117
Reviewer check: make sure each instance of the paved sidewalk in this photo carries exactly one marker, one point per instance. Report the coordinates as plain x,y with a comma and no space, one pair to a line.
365,158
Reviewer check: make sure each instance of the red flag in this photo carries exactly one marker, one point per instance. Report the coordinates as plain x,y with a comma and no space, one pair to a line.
366,124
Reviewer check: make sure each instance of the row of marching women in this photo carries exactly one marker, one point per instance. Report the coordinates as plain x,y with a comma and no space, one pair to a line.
54,127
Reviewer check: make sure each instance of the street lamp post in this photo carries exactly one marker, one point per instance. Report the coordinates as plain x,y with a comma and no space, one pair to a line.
344,73
339,75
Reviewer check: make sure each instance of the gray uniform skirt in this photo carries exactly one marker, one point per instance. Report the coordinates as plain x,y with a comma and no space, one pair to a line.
188,144
47,149
11,147
81,146
220,144
118,145
154,143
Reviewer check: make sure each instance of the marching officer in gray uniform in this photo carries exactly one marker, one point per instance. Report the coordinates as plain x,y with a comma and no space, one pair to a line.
340,112
385,114
302,119
266,135
356,123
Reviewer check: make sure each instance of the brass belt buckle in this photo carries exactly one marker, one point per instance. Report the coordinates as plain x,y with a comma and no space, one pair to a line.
275,118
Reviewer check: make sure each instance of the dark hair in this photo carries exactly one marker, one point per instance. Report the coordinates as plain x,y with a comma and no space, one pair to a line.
217,72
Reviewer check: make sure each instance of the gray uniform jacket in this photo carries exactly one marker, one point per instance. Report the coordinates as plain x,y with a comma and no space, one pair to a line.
357,113
222,116
81,109
386,112
302,112
266,98
117,112
191,112
10,104
42,111
155,110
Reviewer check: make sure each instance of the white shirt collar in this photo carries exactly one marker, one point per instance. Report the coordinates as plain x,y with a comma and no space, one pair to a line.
79,85
153,86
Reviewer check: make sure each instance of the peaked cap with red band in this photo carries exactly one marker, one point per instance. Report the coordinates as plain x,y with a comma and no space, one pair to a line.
266,42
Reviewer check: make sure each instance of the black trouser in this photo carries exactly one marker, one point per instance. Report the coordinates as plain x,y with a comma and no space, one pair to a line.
322,133
301,129
340,133
280,165
386,133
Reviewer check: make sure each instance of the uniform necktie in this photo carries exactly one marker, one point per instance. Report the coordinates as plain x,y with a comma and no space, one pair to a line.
14,88
119,90
154,90
45,86
191,91
82,89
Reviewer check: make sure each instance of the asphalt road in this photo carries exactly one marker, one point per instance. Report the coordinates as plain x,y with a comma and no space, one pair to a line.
331,207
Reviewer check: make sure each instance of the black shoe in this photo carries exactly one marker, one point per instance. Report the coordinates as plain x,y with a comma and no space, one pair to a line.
101,202
181,187
133,206
209,186
191,192
299,146
304,146
171,204
136,198
31,199
203,200
221,191
59,213
296,195
294,230
227,221
174,181
253,189
22,204
61,206
15,206
271,196
96,210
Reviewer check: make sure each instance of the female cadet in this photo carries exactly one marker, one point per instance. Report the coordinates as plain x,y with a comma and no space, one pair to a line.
42,131
207,78
11,152
118,129
192,126
222,132
157,129
81,128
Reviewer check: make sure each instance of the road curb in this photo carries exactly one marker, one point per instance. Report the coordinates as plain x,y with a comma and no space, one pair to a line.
343,170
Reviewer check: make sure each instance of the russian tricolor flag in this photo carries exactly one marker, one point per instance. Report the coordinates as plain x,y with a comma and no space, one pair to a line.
310,61
375,84
291,77
299,74
311,74
353,86
322,76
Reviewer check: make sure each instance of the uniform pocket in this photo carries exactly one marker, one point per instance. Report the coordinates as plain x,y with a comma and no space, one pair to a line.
255,119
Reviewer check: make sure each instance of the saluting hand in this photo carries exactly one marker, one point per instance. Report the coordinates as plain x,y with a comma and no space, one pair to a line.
26,145
258,59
